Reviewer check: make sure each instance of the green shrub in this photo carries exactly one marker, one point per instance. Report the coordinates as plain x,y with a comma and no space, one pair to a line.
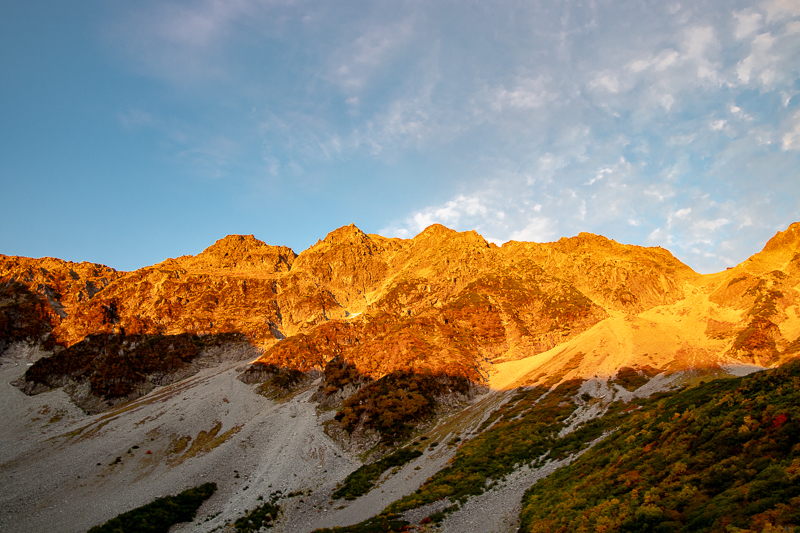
362,480
439,516
524,429
161,514
262,516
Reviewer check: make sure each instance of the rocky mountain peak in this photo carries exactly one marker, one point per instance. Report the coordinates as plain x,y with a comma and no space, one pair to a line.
233,245
244,251
790,238
441,236
435,232
586,240
444,300
344,238
349,234
782,252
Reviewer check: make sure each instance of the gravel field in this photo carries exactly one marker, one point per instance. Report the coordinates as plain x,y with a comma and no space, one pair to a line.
62,470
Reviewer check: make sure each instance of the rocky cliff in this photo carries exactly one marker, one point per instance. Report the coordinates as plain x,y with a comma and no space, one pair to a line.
443,302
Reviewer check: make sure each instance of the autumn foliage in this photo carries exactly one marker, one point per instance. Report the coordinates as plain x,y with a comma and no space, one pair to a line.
721,457
394,404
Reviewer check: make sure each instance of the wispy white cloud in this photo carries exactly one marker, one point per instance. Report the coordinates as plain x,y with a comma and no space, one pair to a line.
180,42
791,139
354,64
539,121
711,225
450,214
137,118
718,125
526,94
659,63
539,229
759,62
212,155
786,96
778,9
600,175
701,46
680,213
748,22
606,81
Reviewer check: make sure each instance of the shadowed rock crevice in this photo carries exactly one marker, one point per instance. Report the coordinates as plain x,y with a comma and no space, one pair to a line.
104,371
24,315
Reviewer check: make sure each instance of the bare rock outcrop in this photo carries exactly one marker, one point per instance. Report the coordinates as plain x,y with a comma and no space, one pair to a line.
444,302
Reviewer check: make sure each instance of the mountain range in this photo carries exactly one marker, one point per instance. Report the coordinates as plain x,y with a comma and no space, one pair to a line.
306,372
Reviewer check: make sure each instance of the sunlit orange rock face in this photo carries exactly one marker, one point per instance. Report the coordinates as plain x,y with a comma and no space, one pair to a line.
626,278
766,291
37,294
230,287
442,302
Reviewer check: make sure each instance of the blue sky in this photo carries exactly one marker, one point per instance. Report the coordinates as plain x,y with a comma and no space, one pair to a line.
135,131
